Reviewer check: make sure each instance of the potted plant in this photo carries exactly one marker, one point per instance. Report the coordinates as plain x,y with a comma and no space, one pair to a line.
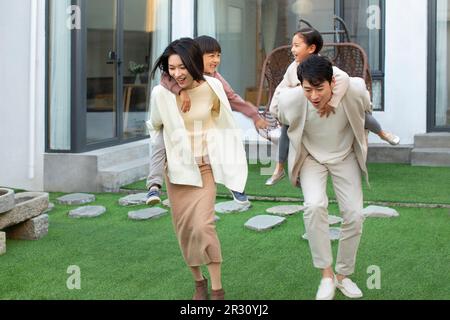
137,69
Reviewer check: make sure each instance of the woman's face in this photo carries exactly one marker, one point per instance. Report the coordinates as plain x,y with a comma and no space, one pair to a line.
300,49
211,62
178,71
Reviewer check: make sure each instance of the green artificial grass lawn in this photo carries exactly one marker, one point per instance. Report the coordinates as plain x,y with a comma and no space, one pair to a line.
124,259
388,183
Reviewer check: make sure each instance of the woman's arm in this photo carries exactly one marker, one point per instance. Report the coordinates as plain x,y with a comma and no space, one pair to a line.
154,124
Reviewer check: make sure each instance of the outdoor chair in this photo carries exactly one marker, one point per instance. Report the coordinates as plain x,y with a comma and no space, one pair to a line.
347,56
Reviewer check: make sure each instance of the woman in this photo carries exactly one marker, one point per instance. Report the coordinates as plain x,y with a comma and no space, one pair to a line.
203,147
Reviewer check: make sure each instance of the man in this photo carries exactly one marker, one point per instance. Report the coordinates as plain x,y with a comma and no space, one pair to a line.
335,145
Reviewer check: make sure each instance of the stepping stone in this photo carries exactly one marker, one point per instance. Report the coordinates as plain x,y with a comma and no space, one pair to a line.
231,207
145,214
284,211
33,229
28,205
7,201
379,212
133,199
264,222
166,203
51,206
2,243
87,212
334,220
335,234
76,199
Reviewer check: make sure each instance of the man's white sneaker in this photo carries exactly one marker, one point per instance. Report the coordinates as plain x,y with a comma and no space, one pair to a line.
326,289
349,288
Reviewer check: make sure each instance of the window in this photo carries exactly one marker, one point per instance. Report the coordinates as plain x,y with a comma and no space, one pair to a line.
271,23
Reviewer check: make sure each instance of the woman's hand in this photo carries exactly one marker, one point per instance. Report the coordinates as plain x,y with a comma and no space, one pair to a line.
185,101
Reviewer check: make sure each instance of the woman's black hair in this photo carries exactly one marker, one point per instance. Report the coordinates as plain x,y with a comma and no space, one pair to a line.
208,44
189,52
311,37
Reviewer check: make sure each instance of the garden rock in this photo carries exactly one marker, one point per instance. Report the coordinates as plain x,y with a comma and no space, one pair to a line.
33,229
284,211
231,207
76,199
264,222
146,214
133,199
28,205
50,208
87,212
379,212
7,201
335,234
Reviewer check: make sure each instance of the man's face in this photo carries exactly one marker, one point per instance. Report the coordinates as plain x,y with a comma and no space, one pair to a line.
211,62
318,95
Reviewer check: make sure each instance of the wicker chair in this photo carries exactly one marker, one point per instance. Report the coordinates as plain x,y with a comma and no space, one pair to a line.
347,56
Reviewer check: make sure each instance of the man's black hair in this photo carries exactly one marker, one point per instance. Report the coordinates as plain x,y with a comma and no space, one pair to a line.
316,70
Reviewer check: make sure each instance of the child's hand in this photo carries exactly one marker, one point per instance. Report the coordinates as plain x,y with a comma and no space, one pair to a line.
261,123
185,101
326,110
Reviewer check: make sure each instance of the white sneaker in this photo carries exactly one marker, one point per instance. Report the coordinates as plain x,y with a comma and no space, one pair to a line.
349,288
326,289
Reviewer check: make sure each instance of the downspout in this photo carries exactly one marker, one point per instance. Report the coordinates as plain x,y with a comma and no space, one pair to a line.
32,89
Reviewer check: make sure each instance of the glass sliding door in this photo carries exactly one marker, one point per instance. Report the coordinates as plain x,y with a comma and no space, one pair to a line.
137,41
101,71
123,40
442,110
59,77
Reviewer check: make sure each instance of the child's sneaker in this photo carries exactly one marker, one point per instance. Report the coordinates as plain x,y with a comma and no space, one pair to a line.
153,196
240,198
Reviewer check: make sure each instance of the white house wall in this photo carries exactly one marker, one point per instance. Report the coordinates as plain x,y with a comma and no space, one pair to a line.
406,70
17,168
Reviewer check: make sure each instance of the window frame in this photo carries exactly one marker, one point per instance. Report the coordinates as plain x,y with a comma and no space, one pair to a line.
432,66
78,112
